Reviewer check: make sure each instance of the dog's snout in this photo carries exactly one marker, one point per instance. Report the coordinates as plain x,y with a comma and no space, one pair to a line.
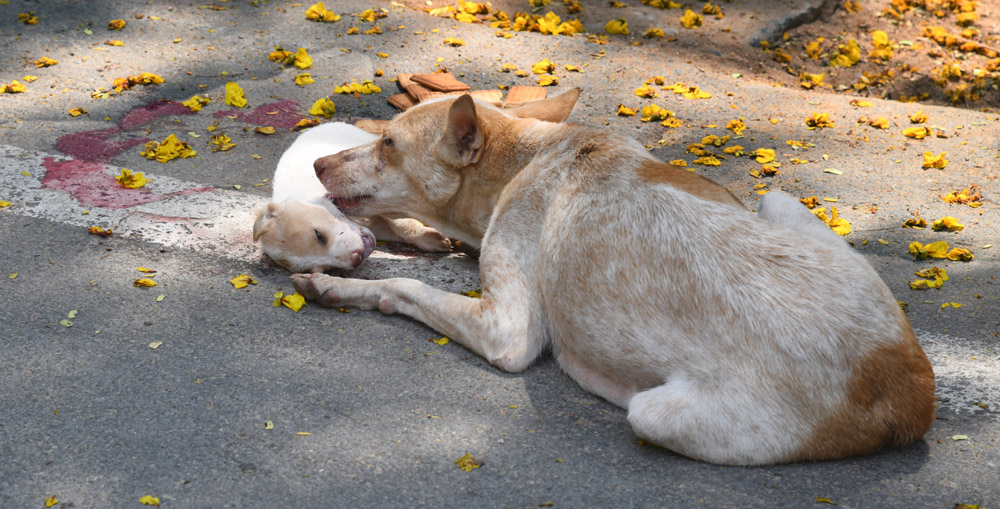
320,166
357,256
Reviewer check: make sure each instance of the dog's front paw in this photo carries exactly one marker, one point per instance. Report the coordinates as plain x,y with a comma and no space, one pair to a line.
318,287
431,240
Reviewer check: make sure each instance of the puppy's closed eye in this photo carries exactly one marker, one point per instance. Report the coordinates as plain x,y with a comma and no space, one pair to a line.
387,142
320,237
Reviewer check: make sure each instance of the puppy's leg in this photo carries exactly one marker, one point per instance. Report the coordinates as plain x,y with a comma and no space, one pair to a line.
410,231
504,327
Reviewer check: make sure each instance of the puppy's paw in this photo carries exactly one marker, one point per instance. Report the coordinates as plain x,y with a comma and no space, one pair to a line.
318,287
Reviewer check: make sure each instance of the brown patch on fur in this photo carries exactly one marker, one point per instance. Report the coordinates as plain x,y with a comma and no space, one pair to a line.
692,183
890,402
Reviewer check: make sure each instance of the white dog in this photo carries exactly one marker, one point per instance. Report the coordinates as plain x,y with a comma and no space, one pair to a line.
304,232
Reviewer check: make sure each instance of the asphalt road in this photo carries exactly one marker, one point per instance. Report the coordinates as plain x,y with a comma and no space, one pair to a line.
246,405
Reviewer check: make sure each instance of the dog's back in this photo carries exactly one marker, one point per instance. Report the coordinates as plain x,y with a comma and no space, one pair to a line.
729,338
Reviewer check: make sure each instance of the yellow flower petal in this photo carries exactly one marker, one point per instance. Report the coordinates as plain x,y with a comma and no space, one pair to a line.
690,19
131,180
304,79
234,95
294,301
319,12
617,27
764,155
196,102
323,107
467,463
947,223
625,111
932,161
543,67
242,281
170,148
302,60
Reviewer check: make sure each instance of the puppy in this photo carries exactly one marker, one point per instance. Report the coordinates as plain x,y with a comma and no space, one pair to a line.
304,232
729,337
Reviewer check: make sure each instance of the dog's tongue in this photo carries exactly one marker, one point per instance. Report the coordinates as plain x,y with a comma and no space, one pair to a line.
369,241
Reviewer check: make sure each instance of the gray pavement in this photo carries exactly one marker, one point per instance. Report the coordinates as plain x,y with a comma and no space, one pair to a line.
95,416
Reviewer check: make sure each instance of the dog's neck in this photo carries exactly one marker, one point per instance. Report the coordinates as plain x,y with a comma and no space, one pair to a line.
510,144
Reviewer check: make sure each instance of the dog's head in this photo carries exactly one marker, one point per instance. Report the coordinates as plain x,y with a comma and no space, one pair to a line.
418,164
306,238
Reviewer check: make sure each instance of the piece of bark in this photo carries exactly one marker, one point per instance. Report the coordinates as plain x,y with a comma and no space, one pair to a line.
402,102
441,82
519,94
494,97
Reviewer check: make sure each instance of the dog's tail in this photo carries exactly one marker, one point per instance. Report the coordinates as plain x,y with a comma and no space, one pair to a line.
782,209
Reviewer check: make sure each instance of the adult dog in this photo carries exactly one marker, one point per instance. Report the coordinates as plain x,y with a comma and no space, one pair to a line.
730,337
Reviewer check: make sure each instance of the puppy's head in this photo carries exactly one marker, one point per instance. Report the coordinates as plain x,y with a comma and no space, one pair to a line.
417,165
306,238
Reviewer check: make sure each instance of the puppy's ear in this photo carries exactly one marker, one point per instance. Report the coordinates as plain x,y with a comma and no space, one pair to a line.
264,221
552,109
373,126
464,135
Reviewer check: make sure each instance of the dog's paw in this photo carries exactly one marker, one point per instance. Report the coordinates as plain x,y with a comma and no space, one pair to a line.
318,287
431,240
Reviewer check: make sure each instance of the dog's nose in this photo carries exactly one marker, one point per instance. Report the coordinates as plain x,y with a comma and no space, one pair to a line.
357,256
320,166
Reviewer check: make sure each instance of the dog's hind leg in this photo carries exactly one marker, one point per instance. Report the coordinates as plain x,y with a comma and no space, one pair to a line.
782,209
719,425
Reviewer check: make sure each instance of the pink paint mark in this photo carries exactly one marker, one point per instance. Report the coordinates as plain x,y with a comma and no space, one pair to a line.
280,114
159,218
94,146
151,112
89,184
97,147
84,176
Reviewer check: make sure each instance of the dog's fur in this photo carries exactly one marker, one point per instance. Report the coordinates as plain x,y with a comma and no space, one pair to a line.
730,337
304,232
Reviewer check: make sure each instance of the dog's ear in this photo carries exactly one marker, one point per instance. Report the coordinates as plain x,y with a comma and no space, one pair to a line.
464,135
373,126
264,220
552,109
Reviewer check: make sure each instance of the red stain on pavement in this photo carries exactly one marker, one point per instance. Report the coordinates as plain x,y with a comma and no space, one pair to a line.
96,146
280,114
84,176
90,184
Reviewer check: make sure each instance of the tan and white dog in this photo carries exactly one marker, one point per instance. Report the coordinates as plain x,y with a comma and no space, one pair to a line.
729,337
304,232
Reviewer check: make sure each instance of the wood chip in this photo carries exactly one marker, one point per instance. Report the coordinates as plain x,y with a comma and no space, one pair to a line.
441,82
416,91
402,102
434,95
520,94
494,97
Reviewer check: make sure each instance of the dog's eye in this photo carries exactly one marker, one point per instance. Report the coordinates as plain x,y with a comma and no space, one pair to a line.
320,237
388,142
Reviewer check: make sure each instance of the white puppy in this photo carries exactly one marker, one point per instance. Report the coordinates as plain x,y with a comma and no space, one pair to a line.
303,231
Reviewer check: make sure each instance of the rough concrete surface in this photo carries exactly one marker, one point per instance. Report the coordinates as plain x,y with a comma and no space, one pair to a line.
95,416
